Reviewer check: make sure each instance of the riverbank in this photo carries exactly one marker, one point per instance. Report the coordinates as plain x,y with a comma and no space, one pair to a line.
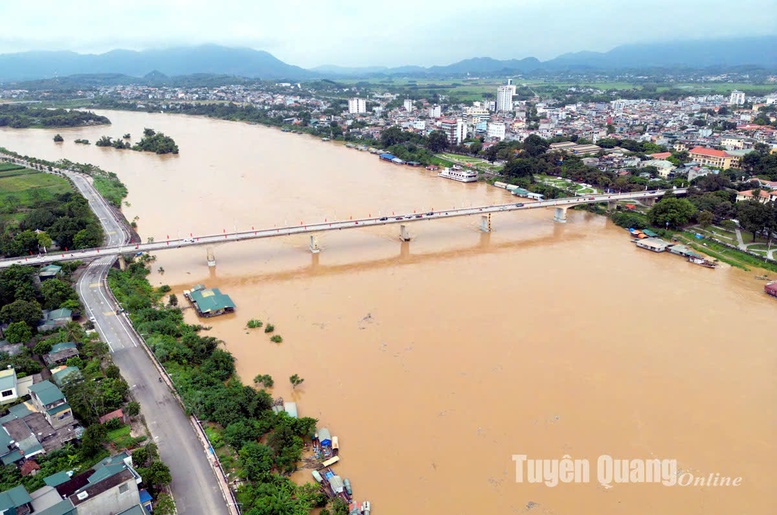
236,416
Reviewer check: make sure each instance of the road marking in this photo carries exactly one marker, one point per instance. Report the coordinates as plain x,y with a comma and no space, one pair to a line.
94,285
109,313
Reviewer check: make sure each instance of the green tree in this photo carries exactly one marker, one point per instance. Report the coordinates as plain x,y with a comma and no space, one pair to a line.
755,217
535,146
671,212
437,141
28,312
165,505
256,460
133,408
173,300
44,240
58,138
296,380
18,332
56,292
705,218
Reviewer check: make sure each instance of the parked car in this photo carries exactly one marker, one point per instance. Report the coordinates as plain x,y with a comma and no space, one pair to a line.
383,218
519,204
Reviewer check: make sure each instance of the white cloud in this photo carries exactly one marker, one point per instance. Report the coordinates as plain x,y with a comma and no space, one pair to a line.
359,32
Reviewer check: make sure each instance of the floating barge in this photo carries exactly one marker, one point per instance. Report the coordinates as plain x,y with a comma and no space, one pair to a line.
209,302
648,240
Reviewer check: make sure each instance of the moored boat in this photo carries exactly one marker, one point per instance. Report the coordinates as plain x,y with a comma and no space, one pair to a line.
459,175
701,261
771,289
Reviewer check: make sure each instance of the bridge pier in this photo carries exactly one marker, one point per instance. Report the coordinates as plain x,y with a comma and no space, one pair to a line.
314,244
649,201
561,215
485,222
211,257
612,206
122,263
403,234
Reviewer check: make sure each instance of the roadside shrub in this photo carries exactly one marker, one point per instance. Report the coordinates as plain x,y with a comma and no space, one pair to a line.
269,328
276,338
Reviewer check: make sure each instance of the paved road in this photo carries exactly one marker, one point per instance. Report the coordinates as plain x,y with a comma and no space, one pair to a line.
116,249
194,485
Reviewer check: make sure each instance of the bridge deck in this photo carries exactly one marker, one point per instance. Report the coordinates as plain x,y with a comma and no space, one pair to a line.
338,225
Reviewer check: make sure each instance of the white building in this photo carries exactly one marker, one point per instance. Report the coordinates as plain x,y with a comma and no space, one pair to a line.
357,105
737,98
504,97
435,111
496,130
455,129
408,105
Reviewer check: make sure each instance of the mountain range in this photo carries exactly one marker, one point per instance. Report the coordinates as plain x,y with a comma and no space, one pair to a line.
245,62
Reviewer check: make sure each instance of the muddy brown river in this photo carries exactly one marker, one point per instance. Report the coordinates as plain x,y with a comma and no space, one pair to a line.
435,361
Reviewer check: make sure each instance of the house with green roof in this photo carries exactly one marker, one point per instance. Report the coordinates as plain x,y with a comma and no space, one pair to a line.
60,353
49,272
15,501
53,319
48,399
209,302
62,374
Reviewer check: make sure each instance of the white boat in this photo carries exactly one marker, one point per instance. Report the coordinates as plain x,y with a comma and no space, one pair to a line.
459,175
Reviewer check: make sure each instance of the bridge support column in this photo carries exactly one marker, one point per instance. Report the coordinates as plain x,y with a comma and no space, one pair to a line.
122,263
649,201
403,234
485,223
612,206
561,215
211,257
314,245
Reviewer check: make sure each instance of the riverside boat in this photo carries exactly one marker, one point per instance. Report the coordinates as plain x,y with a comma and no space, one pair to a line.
701,261
771,289
459,175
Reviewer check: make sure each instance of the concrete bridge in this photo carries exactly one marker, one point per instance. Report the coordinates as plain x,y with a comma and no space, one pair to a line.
560,207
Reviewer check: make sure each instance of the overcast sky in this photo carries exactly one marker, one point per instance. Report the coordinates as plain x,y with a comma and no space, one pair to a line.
376,32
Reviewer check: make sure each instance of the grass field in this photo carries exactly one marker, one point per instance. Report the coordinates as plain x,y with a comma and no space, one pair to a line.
21,189
475,162
564,184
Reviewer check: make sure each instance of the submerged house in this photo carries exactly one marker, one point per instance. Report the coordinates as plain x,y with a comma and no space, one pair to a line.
209,302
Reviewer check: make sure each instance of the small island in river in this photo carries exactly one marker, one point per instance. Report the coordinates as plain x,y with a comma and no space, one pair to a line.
19,116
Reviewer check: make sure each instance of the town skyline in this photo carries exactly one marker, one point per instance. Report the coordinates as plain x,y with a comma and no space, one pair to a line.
352,34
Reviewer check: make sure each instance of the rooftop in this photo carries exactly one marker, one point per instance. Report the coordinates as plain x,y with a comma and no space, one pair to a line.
711,152
13,498
47,392
210,300
7,379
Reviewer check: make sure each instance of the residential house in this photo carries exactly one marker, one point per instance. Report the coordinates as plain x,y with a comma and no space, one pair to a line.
62,374
55,319
763,195
8,392
110,487
49,400
60,353
49,272
15,501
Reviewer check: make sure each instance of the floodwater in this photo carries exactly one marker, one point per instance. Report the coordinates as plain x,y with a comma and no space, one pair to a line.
436,361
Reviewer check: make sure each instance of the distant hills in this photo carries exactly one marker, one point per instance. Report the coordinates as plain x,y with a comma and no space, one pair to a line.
245,62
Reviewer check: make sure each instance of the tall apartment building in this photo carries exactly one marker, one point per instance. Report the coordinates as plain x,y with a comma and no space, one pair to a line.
357,106
408,105
435,111
737,98
504,97
455,129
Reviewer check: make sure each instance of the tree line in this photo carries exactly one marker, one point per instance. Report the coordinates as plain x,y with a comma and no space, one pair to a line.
152,141
22,116
263,446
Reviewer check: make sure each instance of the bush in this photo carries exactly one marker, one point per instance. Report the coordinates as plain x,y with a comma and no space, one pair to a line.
113,424
269,328
276,338
133,409
254,323
630,220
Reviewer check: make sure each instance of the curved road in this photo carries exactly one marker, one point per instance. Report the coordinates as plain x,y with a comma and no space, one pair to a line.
194,486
